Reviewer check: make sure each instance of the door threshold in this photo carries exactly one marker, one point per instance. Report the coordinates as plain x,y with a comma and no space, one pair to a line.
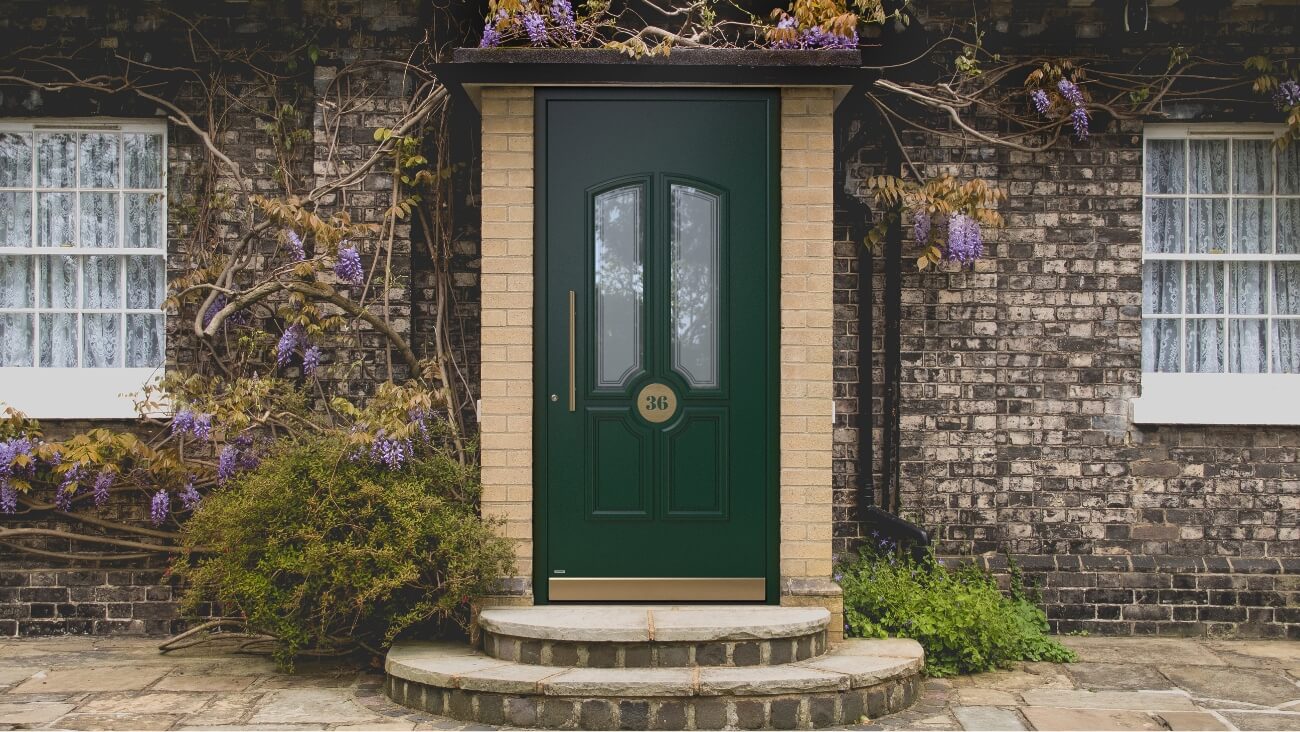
657,589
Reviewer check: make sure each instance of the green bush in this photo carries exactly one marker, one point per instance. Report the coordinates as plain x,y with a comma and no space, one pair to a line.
328,552
961,618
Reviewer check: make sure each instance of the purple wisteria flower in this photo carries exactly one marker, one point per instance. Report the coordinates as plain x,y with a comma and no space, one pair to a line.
1042,102
392,453
295,246
202,428
182,422
290,340
311,360
563,19
491,37
159,507
1288,94
535,26
8,498
103,484
1079,118
190,495
965,241
69,487
921,227
786,22
349,268
1070,91
239,317
815,37
236,456
187,422
9,451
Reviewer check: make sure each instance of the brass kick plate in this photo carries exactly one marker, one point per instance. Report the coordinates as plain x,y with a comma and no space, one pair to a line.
658,589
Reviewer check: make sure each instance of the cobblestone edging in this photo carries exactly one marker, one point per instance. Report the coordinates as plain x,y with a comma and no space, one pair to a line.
803,711
762,652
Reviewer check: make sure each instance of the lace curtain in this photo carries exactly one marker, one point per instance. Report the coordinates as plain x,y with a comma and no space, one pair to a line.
82,273
1221,198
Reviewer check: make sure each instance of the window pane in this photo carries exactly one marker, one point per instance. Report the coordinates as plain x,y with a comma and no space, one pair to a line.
15,219
1248,288
144,220
695,253
99,160
1286,288
146,282
1288,225
99,219
144,341
1205,345
1286,346
1164,230
16,282
56,160
15,160
1162,287
143,160
1166,166
1204,288
16,339
1252,226
1208,226
58,340
1288,169
1160,350
619,266
1252,162
1247,348
101,348
58,282
55,220
101,282
1209,166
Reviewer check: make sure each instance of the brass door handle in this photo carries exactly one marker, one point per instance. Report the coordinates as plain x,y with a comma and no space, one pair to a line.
573,379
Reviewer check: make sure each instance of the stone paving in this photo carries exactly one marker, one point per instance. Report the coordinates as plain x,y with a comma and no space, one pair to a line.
1118,684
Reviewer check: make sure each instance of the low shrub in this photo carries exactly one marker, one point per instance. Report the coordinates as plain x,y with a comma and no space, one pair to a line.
328,552
960,617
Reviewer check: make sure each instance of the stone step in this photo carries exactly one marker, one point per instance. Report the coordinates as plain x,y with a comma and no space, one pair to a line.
641,636
857,679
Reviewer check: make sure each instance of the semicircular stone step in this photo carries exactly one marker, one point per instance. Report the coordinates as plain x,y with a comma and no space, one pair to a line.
858,679
643,636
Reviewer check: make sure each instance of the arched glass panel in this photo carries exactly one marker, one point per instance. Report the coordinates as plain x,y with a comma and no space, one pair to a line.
620,264
695,280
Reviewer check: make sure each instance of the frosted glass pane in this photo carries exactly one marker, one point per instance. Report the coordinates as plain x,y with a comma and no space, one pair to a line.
15,219
144,220
695,256
1208,225
58,340
1286,288
1252,162
1166,168
56,221
16,339
143,160
16,282
101,282
1164,229
15,160
1162,287
1209,166
1205,346
102,333
619,296
1286,346
1160,349
99,219
56,160
1253,226
1288,169
1204,288
1288,225
1249,287
99,160
144,341
1246,347
58,282
146,282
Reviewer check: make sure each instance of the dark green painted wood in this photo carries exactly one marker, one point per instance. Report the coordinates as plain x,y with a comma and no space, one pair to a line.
616,495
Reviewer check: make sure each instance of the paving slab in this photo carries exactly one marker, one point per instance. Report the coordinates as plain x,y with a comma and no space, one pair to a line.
1118,676
1047,719
126,702
865,670
891,647
117,721
1147,701
108,678
204,682
230,708
744,681
977,696
1263,721
310,706
1175,652
14,674
733,623
1250,653
1018,679
1193,722
397,724
988,719
32,712
1253,686
579,623
640,682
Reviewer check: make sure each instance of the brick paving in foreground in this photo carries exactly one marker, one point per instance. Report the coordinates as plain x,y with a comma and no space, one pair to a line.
1119,683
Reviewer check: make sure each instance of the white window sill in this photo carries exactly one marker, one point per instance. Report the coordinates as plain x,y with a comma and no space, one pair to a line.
74,393
1210,399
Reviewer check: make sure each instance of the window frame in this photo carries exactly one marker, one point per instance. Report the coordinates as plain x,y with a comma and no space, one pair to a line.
85,392
1225,397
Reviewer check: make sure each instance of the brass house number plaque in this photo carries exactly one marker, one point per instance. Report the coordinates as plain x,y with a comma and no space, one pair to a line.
656,403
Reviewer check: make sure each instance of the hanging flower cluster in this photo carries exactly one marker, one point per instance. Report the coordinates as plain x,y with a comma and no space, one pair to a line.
290,340
947,217
187,422
295,246
348,268
786,34
237,456
1287,94
541,23
1064,95
17,462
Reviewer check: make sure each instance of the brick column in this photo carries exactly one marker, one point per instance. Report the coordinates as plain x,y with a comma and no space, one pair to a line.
807,374
507,326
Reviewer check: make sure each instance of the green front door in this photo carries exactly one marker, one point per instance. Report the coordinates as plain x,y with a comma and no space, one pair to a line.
656,345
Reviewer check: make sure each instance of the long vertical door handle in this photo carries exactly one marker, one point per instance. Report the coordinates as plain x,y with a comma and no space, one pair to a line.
573,379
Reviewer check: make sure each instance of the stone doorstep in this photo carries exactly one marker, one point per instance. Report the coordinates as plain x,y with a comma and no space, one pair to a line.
851,665
649,623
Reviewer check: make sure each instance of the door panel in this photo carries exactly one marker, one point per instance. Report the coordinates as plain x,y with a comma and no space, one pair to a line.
656,222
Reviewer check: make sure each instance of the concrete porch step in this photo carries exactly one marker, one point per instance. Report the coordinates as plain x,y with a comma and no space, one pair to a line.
640,636
856,679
